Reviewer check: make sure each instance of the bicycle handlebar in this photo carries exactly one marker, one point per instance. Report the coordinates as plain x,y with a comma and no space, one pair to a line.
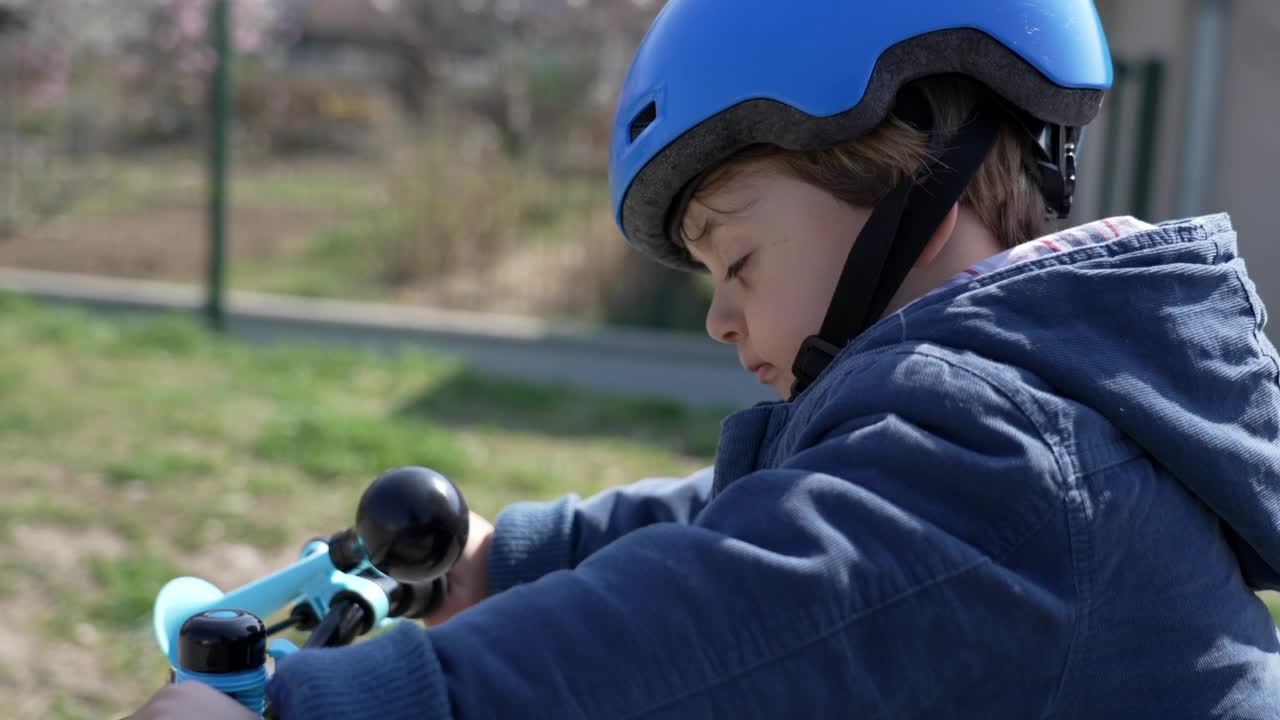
411,527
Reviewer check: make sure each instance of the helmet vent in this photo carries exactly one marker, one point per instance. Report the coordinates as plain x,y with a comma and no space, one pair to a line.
643,119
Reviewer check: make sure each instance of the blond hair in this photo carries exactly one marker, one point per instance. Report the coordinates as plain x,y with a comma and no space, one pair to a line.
1004,194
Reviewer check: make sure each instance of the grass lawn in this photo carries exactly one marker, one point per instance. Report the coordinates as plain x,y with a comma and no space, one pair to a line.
135,451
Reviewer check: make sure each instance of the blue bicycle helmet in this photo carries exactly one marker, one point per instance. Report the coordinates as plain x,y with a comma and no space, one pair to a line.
712,77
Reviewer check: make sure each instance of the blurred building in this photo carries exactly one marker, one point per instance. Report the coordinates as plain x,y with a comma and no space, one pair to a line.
12,18
1191,124
374,41
341,71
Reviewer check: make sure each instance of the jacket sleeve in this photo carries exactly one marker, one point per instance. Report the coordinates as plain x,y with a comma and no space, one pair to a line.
532,539
906,564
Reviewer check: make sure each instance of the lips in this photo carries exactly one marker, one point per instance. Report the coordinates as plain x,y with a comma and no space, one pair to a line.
762,371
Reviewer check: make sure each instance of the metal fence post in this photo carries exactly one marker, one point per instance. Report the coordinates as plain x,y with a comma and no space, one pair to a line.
220,108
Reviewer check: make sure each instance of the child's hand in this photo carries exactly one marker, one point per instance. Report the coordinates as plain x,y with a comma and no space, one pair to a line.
186,700
469,578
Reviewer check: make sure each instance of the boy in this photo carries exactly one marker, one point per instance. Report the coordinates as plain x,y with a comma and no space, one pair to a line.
1005,479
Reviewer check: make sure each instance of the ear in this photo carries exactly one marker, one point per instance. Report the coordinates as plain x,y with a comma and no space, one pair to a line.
940,237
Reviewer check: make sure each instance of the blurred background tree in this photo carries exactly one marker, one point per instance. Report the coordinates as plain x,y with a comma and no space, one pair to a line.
444,153
453,153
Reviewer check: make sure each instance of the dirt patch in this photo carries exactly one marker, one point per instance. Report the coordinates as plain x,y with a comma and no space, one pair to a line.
71,660
59,549
159,243
568,280
36,668
169,242
234,564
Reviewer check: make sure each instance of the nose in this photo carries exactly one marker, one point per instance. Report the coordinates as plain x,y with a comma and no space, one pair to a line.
724,319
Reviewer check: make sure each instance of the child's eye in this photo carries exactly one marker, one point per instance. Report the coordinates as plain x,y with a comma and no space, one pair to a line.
736,267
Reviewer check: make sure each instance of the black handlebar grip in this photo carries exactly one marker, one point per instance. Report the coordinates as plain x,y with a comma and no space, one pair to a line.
222,641
413,523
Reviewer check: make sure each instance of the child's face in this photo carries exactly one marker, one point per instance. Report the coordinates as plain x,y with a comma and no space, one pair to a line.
776,247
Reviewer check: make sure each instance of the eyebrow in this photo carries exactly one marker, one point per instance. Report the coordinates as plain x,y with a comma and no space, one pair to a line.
703,243
709,226
713,222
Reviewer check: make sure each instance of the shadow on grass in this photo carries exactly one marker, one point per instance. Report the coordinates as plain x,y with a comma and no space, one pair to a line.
472,399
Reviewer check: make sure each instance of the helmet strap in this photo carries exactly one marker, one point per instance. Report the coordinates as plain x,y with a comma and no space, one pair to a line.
892,239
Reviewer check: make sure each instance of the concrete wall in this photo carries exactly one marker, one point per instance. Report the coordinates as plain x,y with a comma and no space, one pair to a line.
1246,177
1245,141
1137,33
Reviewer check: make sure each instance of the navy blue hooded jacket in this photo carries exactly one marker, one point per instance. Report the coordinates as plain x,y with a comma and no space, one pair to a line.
1047,493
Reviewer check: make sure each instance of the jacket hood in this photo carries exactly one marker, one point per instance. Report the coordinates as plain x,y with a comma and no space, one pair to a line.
1160,331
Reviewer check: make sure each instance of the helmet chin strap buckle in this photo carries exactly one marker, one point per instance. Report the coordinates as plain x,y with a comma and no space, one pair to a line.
1059,146
814,356
1057,150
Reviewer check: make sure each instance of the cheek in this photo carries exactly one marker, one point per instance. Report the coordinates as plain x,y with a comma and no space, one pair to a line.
805,290
780,320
